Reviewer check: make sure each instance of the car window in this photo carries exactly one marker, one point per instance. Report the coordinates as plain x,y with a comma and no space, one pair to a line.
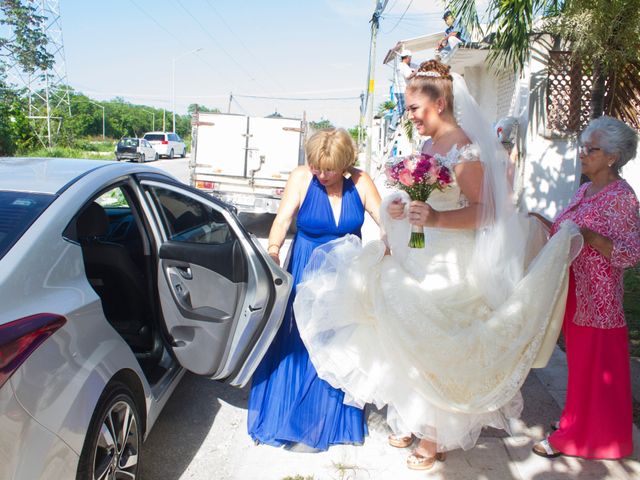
188,220
18,210
153,137
113,199
129,142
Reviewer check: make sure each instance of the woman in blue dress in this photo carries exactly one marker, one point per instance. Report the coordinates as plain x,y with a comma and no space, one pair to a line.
288,403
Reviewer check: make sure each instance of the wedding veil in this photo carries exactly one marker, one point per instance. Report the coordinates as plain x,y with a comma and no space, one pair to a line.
501,236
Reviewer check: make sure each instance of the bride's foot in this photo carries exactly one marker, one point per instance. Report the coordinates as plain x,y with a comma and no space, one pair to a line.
400,441
424,456
419,461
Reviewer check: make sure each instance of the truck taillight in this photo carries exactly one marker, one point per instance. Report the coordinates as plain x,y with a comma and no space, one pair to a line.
278,192
165,142
20,338
204,185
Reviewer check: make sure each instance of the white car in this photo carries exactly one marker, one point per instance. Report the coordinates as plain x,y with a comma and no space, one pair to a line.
135,149
114,279
167,144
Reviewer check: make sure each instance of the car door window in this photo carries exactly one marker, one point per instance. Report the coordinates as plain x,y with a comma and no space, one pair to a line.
188,220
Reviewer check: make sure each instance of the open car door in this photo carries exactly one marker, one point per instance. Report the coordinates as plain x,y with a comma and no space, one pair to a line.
222,297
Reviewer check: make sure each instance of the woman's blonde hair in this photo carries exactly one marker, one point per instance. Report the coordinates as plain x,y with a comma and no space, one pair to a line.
433,79
331,149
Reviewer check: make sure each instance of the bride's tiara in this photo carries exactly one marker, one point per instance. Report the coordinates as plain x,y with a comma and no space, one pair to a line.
430,73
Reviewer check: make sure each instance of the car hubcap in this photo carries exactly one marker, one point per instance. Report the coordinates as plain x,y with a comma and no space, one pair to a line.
116,456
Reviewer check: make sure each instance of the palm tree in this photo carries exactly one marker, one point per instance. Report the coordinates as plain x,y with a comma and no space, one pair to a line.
603,36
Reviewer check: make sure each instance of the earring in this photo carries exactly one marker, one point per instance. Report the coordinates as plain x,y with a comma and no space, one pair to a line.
610,164
439,111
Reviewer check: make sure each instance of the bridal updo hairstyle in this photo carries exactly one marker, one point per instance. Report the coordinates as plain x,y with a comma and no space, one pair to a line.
331,149
433,79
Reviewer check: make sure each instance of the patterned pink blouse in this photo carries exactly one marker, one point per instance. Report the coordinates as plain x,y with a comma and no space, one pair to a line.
613,213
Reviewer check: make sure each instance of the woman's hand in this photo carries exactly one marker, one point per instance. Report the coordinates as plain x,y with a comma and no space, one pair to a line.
275,257
421,214
396,209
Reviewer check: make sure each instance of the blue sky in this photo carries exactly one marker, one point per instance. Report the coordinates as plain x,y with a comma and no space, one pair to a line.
285,48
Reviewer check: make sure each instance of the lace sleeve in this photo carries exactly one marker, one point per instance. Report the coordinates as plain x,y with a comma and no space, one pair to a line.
467,153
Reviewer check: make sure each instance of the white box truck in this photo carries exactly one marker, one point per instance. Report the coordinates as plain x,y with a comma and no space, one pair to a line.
245,160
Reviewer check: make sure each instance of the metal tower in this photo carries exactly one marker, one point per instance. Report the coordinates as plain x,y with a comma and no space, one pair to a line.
47,90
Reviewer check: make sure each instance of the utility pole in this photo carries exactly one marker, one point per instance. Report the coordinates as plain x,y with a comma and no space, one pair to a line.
230,100
375,23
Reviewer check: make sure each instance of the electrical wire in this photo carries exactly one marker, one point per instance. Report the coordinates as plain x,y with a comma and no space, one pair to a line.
239,39
401,17
298,99
195,19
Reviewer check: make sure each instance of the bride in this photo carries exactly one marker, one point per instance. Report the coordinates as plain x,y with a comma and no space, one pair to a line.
443,335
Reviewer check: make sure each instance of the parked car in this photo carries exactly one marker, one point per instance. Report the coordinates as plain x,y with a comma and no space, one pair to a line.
167,144
114,279
135,149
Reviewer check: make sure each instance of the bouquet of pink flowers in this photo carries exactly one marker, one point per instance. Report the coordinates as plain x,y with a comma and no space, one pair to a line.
418,175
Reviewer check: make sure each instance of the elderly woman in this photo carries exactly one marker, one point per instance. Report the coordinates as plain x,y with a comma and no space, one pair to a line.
597,418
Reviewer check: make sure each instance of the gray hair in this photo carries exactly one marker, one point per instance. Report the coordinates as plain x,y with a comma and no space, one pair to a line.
616,137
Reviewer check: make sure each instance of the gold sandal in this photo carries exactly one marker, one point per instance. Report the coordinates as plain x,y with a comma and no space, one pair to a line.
400,441
417,461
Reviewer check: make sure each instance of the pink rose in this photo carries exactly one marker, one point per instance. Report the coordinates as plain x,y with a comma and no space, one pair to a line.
406,178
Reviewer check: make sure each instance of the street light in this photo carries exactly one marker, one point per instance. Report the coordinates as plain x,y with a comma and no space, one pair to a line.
173,82
153,118
98,105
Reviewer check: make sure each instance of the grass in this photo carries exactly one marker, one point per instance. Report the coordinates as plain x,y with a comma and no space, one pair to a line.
632,308
67,152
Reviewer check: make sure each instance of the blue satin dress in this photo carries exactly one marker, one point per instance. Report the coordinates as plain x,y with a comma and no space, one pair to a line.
288,403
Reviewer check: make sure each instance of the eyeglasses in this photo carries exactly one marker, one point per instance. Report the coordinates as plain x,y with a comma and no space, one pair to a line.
587,150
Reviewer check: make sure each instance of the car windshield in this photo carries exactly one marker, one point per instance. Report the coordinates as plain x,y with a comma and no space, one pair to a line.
151,137
129,142
18,210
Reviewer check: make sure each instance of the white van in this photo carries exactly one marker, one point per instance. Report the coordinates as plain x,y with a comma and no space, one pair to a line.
167,144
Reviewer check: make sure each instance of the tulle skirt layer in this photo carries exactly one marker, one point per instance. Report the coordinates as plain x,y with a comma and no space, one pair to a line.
416,334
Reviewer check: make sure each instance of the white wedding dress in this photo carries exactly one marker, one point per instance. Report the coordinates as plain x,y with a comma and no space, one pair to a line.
413,330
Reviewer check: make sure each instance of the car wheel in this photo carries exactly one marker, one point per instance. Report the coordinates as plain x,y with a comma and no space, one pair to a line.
142,158
184,153
171,153
112,445
156,157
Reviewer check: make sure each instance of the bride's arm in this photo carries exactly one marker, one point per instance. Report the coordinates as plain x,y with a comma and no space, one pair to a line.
469,176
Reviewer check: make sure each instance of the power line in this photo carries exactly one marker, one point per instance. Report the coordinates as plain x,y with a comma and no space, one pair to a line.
179,40
195,19
400,19
239,39
298,99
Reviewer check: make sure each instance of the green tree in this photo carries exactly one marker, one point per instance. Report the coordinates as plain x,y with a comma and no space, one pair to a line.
22,42
321,124
27,43
602,34
191,109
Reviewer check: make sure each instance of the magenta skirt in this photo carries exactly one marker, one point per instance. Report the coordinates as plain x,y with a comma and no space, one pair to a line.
597,421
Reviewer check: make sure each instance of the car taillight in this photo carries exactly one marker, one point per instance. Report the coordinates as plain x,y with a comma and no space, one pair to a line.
165,142
204,185
20,338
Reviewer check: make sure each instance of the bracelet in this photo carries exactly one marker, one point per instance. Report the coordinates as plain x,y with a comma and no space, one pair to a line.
273,245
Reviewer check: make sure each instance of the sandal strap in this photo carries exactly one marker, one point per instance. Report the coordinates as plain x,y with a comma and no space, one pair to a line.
547,447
